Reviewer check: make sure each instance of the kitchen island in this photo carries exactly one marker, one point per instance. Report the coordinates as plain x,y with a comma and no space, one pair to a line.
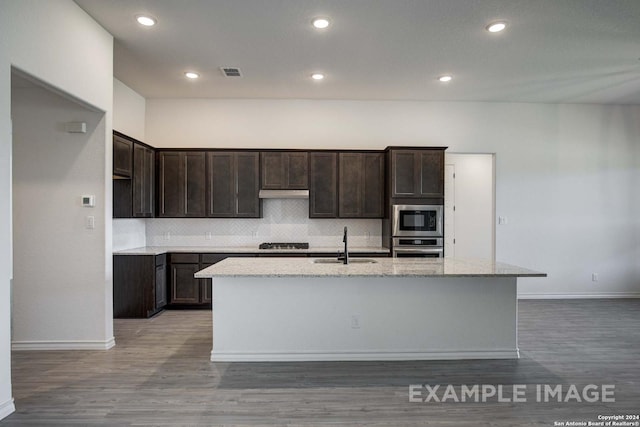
301,309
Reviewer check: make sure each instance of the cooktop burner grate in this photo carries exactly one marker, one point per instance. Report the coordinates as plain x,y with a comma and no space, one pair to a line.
284,245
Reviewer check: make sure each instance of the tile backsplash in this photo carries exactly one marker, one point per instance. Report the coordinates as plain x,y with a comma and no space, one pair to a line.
284,220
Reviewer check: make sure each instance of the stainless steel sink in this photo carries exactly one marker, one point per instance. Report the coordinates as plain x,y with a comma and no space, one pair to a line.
351,261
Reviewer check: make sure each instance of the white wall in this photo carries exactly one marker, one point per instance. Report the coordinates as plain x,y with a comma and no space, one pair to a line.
60,44
129,109
52,169
566,175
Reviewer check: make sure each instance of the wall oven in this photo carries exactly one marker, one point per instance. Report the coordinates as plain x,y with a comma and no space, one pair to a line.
430,247
417,220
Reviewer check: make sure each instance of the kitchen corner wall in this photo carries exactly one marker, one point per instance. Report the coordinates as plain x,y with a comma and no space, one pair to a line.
284,220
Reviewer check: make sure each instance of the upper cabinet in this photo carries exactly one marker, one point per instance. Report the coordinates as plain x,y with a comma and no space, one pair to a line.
417,173
284,170
361,185
323,168
143,181
233,184
134,195
181,184
122,156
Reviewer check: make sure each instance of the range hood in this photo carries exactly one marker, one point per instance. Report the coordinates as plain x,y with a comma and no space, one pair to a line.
284,194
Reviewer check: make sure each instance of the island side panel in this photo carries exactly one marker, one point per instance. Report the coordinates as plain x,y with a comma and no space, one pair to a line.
360,318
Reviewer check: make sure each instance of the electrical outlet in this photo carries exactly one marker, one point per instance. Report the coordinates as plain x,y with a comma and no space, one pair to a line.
367,235
207,235
502,220
594,277
355,322
167,235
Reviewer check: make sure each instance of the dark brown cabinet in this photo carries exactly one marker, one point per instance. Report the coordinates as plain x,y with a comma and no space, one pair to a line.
139,285
181,184
161,280
233,184
284,170
323,189
361,185
122,155
186,290
134,196
417,173
143,181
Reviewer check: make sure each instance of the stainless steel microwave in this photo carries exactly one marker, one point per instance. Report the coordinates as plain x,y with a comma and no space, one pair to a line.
417,220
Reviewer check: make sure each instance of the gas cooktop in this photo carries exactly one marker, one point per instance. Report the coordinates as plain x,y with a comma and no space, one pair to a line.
284,246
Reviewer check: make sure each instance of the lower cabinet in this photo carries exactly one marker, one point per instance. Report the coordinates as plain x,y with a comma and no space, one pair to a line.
139,285
185,290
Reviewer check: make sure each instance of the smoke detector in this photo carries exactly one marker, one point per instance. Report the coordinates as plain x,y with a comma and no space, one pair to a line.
231,71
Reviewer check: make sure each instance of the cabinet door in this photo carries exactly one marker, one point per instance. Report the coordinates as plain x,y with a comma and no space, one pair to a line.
195,184
143,177
431,179
272,166
360,181
185,289
403,179
170,186
205,290
221,186
350,181
373,185
122,156
297,170
247,178
322,185
161,286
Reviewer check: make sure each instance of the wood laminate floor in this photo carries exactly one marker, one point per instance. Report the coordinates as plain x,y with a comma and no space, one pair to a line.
159,374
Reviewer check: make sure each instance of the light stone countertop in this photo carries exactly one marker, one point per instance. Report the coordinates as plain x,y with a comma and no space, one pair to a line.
383,267
159,250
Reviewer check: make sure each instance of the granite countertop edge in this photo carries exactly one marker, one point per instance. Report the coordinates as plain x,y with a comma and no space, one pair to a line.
382,267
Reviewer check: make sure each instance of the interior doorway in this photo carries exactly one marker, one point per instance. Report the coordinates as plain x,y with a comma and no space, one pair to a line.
469,205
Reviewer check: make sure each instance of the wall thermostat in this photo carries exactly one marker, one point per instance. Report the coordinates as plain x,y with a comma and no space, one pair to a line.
88,201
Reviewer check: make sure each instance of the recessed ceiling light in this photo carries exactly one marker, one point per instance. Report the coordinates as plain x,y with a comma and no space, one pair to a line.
317,76
446,78
145,20
320,23
496,27
191,75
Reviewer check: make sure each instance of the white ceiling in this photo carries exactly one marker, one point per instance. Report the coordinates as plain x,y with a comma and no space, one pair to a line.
557,51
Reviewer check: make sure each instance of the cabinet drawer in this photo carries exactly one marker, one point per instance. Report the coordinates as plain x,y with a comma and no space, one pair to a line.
185,258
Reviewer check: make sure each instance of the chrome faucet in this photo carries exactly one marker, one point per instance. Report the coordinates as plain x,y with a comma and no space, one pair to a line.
345,256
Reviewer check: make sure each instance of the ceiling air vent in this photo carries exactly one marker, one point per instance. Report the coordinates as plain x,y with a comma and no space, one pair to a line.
231,71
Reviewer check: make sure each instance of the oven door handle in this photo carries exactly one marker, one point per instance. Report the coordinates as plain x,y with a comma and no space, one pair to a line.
418,250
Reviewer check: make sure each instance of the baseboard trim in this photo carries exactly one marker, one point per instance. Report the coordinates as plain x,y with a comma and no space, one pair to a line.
604,295
217,356
7,408
63,345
